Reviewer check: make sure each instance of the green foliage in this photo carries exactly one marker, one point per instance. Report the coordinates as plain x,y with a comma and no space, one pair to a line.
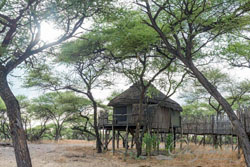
156,142
152,92
2,3
169,143
200,102
58,104
237,52
58,107
24,102
128,35
42,77
147,143
150,142
2,105
197,109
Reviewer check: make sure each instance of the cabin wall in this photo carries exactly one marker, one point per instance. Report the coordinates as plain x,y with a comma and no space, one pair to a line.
120,114
175,119
157,117
135,113
129,112
161,118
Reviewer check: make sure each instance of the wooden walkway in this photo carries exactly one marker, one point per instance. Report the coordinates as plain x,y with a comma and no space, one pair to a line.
213,125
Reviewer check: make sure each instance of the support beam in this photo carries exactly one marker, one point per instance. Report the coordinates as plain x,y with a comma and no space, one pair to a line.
117,139
113,136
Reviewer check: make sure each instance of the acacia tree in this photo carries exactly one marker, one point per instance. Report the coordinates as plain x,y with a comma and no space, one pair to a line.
58,107
186,27
86,69
90,71
20,29
232,90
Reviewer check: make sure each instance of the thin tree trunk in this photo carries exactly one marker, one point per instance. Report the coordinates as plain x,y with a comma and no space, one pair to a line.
58,133
239,129
98,139
16,128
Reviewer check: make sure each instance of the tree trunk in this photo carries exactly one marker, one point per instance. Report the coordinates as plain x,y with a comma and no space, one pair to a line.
98,139
16,128
239,129
58,134
138,142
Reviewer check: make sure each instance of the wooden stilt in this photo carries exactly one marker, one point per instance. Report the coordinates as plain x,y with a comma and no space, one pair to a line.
132,140
158,144
174,138
165,137
195,139
238,148
181,137
204,140
126,142
106,140
215,137
113,136
103,135
220,141
232,142
117,139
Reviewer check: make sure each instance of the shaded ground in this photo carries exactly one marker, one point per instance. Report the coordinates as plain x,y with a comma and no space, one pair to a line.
82,154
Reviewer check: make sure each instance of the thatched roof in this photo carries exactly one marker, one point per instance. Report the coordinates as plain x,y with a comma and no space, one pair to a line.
132,96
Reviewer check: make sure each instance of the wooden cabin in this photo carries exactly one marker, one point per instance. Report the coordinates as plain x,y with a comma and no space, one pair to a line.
159,112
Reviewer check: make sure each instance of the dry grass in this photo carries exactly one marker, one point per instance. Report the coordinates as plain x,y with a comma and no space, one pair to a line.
75,153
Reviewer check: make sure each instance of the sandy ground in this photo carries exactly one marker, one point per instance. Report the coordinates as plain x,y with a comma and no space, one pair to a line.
82,154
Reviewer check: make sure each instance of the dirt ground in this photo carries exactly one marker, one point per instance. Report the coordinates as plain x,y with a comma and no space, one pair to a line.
72,153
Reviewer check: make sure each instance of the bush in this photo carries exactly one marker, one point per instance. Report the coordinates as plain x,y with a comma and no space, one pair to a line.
149,142
169,143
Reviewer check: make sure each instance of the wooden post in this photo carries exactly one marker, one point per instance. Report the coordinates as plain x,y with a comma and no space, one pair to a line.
158,142
181,137
132,141
195,139
132,134
204,140
103,135
238,147
126,142
117,136
220,141
106,140
113,136
232,142
174,138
